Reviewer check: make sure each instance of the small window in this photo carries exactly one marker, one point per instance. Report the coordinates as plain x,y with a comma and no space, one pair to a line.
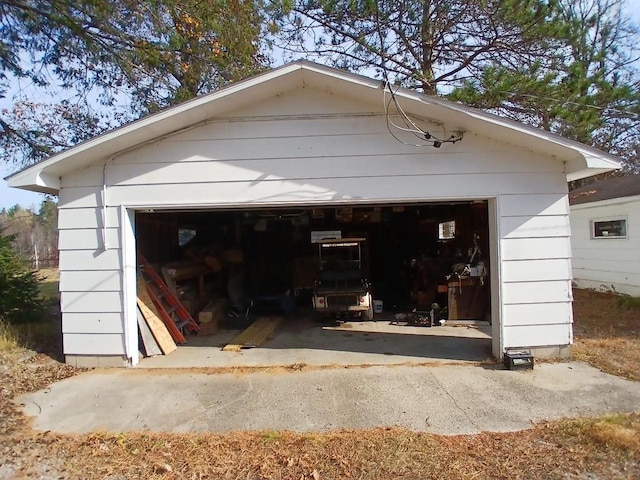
609,228
447,230
185,235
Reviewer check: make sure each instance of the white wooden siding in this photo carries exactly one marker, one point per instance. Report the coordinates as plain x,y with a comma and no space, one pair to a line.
538,335
91,301
95,281
277,153
537,314
80,218
536,270
96,323
606,263
520,293
88,238
314,190
93,344
90,282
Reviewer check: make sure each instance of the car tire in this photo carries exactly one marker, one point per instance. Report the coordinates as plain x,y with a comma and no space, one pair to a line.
368,315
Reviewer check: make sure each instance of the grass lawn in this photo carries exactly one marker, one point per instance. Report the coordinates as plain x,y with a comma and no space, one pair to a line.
573,449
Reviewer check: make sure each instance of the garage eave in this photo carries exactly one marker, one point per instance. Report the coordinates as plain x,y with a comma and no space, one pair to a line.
35,180
580,160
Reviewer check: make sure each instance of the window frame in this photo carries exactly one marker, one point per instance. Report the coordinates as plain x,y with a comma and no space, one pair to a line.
442,229
593,222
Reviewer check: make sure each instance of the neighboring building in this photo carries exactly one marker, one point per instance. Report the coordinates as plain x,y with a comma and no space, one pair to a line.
310,140
605,235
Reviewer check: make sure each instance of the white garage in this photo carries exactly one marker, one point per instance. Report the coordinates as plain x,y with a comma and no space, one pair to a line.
306,148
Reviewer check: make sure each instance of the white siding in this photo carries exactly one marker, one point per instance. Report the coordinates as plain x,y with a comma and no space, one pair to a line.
281,152
536,270
606,263
90,282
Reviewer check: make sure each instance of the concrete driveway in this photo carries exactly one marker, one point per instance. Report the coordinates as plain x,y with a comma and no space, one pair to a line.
449,399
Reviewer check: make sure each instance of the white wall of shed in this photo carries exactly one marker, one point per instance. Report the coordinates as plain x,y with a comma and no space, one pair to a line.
276,153
606,264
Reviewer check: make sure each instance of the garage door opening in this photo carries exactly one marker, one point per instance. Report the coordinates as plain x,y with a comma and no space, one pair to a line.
421,271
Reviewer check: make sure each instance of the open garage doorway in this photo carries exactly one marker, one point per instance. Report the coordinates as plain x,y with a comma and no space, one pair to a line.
426,268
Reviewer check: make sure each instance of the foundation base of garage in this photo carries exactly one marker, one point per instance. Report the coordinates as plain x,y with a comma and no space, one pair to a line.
547,353
95,361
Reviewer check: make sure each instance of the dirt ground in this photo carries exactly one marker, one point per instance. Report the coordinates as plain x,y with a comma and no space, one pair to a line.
573,449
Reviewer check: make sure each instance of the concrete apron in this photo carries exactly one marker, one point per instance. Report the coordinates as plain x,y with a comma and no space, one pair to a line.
450,399
354,343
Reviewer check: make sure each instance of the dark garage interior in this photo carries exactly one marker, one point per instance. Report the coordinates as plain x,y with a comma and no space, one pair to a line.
223,264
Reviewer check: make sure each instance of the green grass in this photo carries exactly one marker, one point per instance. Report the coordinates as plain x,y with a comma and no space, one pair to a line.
43,334
627,301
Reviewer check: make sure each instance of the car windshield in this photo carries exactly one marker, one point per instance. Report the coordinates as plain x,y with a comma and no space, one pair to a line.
339,255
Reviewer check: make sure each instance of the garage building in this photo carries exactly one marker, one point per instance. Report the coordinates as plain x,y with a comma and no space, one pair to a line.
259,169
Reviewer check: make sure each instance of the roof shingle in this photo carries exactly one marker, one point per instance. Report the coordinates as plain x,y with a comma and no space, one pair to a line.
608,189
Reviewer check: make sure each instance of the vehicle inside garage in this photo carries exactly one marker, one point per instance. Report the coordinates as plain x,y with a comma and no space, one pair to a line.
423,264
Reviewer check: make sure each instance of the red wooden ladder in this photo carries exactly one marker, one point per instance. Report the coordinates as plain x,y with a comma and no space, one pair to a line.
173,314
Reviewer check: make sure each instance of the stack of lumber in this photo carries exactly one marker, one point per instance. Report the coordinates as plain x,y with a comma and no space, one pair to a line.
156,336
255,334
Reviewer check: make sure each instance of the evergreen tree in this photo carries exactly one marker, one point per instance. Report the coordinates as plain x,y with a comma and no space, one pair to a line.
20,298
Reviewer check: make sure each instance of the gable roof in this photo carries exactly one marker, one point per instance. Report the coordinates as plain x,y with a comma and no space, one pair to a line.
580,160
617,187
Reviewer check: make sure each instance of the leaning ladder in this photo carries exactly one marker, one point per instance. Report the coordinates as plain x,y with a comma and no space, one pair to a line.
167,303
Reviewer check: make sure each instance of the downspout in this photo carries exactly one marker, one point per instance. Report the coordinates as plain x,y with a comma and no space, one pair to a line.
104,204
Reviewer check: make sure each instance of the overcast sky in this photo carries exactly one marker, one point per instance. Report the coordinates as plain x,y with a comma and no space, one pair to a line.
12,196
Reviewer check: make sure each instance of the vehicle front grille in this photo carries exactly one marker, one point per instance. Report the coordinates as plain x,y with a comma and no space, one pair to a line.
342,300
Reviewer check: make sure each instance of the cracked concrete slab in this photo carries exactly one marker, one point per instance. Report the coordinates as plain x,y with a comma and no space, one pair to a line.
452,399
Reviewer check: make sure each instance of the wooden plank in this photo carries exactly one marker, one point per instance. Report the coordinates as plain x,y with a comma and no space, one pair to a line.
110,322
535,248
93,344
200,164
168,279
537,335
255,334
536,270
87,260
151,347
535,227
533,204
211,316
536,292
212,311
72,218
157,327
91,302
88,238
224,191
90,280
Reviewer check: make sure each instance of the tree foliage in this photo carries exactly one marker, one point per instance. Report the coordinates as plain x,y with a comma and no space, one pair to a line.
33,234
20,300
143,54
589,93
430,45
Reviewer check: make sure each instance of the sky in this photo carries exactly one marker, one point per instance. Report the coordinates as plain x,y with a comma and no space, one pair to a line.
12,196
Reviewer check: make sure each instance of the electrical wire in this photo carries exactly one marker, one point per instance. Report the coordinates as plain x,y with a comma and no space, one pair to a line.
410,126
432,140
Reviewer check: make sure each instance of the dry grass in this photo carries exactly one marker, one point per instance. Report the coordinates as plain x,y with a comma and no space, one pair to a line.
8,338
607,332
589,448
574,449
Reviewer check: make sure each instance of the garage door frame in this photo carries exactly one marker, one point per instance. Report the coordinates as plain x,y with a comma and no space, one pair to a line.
128,239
